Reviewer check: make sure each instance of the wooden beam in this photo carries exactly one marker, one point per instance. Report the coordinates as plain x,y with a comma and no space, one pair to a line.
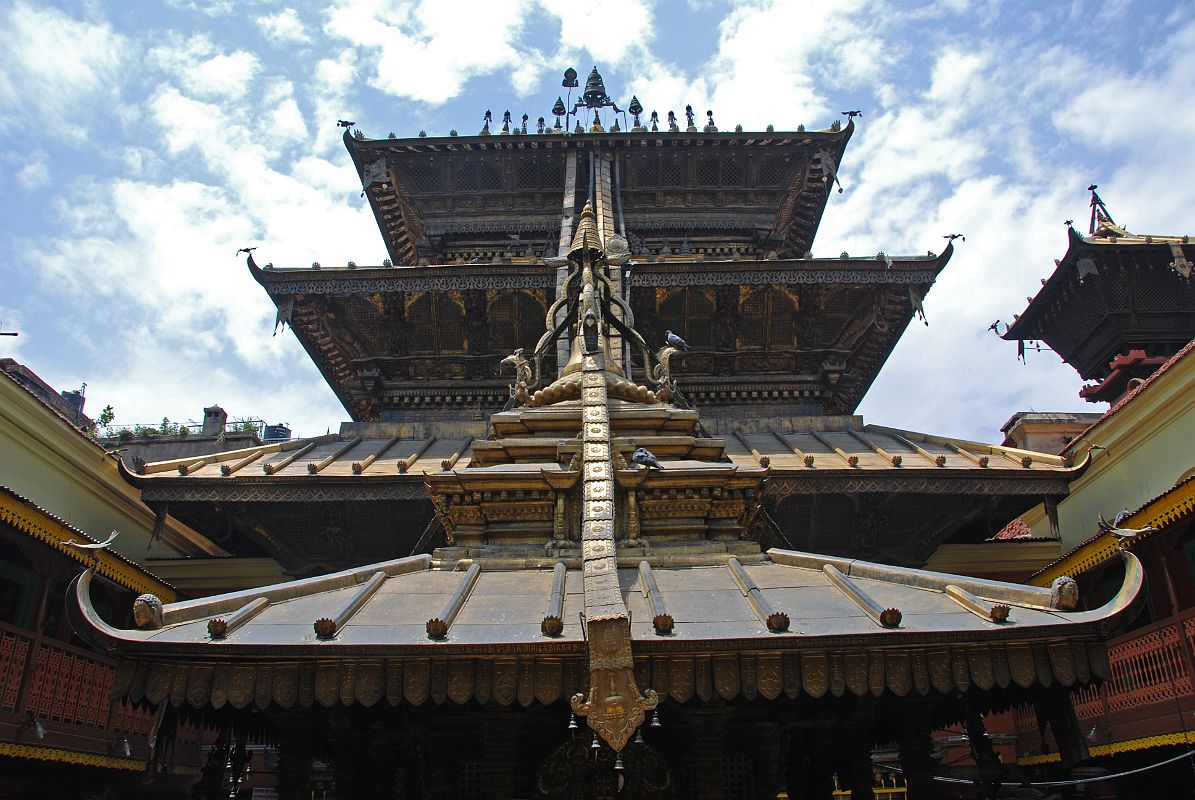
314,467
884,617
326,628
553,622
437,627
661,620
361,466
776,621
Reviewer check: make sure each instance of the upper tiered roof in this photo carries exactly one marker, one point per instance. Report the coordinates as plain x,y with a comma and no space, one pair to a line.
1116,306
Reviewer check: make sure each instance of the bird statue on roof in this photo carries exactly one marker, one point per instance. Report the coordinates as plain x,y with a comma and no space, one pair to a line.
953,236
646,458
245,250
852,114
344,123
675,341
1120,533
994,327
93,547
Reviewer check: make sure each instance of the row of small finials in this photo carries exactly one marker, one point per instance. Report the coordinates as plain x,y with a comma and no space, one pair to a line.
541,127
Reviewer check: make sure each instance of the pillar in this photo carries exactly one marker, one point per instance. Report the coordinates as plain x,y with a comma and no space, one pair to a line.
709,751
500,753
914,738
295,733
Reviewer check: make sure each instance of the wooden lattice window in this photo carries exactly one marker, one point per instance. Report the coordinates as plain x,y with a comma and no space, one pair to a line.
772,171
688,312
672,171
708,171
424,176
769,319
479,176
516,319
435,322
527,174
647,171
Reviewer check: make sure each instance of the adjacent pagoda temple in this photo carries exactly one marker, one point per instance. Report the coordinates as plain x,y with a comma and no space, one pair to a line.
619,598
1117,306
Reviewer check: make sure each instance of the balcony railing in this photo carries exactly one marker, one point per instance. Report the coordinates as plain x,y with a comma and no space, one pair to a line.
67,688
1150,665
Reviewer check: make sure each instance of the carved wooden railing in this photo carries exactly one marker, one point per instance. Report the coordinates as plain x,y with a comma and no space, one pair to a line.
67,685
1149,665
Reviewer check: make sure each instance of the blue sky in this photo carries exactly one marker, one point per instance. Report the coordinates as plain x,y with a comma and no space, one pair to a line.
144,143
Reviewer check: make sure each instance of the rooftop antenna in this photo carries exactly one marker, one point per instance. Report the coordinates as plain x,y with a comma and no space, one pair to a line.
1099,211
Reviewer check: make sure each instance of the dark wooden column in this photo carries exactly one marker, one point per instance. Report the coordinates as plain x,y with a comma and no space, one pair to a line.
1053,704
856,773
809,753
769,777
349,757
709,752
296,732
500,752
384,763
914,736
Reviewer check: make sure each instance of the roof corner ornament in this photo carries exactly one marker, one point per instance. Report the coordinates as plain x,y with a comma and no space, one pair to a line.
662,374
636,108
524,378
1064,593
485,129
148,612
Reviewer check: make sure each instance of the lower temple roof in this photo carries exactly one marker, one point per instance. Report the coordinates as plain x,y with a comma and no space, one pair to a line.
826,600
796,618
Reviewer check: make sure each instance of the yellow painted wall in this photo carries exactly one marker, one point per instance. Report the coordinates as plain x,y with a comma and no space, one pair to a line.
53,465
1151,444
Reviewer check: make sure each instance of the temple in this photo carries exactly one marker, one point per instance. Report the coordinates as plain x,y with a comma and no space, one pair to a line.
603,522
1117,306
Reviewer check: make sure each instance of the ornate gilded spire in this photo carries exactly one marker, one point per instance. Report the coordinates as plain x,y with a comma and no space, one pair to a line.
586,236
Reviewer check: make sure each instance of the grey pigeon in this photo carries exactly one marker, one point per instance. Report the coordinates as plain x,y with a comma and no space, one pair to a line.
675,341
646,458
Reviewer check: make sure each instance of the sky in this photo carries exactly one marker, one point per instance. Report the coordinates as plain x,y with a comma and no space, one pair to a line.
141,144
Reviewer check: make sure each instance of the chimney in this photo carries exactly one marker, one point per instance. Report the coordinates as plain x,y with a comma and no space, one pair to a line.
213,421
76,400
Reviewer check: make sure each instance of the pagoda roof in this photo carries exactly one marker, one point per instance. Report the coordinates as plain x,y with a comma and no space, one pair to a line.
837,448
403,182
1113,292
257,645
353,355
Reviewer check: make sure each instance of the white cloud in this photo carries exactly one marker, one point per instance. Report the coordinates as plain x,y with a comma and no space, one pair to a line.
36,172
200,68
285,27
427,51
56,71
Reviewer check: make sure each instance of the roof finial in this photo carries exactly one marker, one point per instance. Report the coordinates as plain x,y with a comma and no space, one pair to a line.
485,130
636,108
710,127
1099,211
506,121
692,126
586,236
672,126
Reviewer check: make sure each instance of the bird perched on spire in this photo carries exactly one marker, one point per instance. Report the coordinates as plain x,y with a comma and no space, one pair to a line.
953,236
1123,533
344,123
646,458
675,341
852,114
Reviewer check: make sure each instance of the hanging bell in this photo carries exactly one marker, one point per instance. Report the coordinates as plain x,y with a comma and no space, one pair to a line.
596,744
639,736
572,721
618,763
655,719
